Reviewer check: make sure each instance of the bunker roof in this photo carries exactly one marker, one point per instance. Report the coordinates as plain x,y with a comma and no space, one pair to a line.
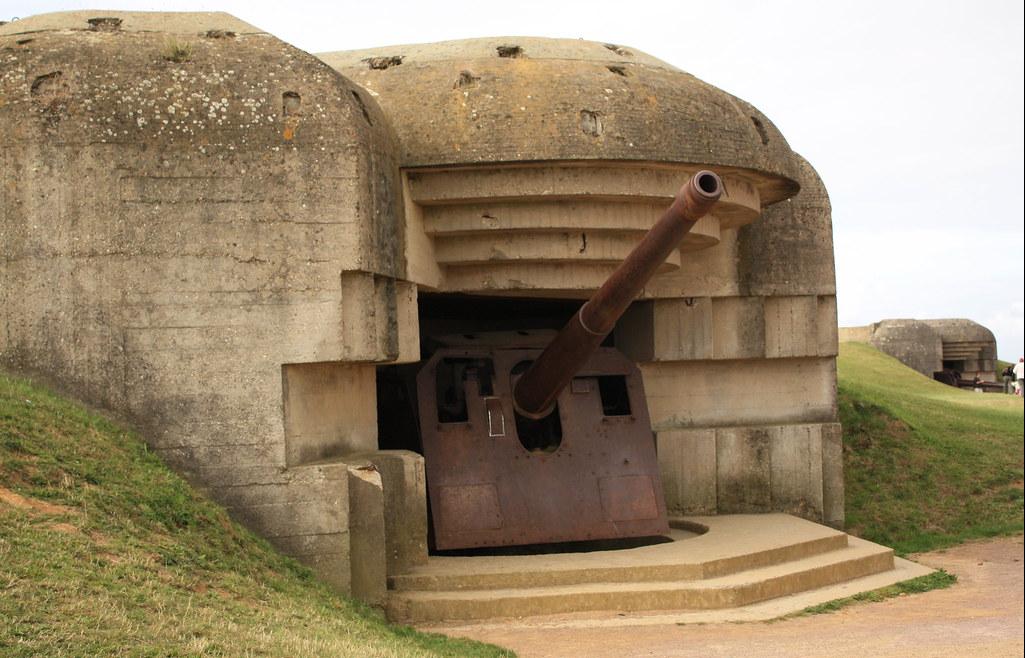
101,20
527,99
961,330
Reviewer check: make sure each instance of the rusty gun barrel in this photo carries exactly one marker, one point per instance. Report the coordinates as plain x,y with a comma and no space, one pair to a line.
540,386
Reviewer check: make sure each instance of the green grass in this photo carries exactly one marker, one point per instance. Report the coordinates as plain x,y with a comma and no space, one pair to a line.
939,579
105,552
926,465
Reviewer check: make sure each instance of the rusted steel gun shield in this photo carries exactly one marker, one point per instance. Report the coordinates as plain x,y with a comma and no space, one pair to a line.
486,488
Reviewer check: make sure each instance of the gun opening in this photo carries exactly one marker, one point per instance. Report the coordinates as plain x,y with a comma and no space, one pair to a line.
452,376
538,434
615,399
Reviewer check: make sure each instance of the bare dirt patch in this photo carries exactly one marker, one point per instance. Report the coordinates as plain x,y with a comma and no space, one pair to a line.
979,616
12,499
65,528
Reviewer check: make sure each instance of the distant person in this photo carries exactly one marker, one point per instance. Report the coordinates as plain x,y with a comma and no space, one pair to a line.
1019,375
1009,380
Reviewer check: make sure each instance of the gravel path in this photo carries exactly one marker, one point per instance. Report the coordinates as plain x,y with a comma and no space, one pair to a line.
981,615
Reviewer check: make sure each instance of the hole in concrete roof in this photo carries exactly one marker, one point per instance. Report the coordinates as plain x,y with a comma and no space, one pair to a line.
618,70
591,123
466,79
619,50
45,83
105,24
381,63
290,103
362,107
219,34
509,51
760,127
50,96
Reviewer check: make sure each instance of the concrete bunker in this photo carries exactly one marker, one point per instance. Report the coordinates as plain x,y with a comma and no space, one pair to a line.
259,262
954,351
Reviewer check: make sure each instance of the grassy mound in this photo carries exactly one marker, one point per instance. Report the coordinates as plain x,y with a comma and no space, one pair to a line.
926,465
105,552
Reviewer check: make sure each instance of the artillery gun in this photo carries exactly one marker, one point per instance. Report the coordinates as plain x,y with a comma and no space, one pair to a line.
529,439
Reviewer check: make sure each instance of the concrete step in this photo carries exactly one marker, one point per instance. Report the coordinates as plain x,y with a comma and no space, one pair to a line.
859,558
738,542
760,611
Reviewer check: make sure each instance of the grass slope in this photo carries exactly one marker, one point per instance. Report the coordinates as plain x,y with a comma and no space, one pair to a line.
926,465
105,552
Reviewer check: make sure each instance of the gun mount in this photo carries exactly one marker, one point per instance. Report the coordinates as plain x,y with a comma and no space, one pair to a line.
532,439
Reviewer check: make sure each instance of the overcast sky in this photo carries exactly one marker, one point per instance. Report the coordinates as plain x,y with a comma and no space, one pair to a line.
911,112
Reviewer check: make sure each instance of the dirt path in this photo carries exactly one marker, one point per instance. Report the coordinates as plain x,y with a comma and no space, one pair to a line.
981,615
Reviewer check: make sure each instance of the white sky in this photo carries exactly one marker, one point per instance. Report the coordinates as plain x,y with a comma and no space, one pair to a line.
912,113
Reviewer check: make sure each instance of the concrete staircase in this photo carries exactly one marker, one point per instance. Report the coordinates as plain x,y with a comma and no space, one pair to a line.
713,563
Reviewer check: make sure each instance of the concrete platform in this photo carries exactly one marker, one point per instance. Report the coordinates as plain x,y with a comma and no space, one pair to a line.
727,565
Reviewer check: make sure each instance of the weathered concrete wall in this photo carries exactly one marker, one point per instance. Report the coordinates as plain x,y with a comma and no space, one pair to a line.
855,334
742,387
912,342
202,230
790,250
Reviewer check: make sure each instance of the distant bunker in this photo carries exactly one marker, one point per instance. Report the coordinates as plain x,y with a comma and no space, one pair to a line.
954,351
253,255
